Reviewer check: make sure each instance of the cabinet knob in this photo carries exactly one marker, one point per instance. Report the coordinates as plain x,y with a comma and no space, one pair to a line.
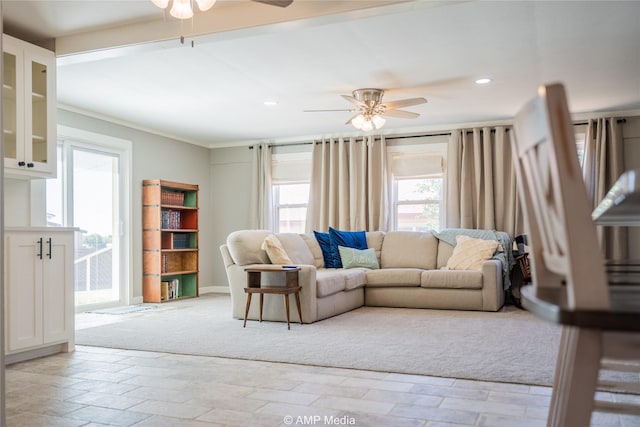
30,165
21,163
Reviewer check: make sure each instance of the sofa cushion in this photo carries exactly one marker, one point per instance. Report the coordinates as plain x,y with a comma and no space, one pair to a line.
296,249
352,258
445,251
470,253
315,249
452,279
374,241
387,277
244,247
329,282
354,278
406,249
275,250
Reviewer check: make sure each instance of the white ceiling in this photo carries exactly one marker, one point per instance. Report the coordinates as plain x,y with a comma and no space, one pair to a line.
307,55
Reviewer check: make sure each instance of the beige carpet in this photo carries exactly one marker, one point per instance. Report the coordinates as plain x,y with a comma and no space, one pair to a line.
508,346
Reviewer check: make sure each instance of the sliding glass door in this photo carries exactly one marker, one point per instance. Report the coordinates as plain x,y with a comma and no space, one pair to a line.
88,194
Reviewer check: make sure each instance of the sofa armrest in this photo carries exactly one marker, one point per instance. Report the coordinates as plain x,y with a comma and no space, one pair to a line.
492,288
237,277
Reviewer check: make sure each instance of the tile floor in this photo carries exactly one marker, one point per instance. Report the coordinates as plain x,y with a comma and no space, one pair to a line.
96,386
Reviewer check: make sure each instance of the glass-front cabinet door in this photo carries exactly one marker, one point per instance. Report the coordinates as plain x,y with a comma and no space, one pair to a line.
29,109
11,104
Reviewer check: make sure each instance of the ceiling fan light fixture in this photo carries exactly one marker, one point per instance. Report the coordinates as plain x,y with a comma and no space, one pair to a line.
367,125
378,121
162,4
181,9
367,122
205,5
358,121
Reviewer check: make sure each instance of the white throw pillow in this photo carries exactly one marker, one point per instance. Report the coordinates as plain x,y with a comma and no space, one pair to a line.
275,250
470,253
295,247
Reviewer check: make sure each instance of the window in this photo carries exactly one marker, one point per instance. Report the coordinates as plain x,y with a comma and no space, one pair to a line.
290,202
290,175
418,203
580,141
418,185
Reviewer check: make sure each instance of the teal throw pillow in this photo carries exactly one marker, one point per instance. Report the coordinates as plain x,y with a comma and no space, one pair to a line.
358,257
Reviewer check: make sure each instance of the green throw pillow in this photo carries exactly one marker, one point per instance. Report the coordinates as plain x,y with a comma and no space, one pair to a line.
358,257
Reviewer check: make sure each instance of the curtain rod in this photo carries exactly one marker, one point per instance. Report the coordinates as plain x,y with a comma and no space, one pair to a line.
283,145
357,137
586,123
411,136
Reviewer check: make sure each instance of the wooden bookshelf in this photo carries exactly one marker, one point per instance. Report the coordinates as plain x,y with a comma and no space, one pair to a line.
169,240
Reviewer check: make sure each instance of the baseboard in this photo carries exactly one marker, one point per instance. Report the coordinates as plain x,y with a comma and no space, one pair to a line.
214,290
33,354
203,290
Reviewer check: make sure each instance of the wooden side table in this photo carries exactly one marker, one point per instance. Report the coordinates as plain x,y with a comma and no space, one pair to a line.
254,286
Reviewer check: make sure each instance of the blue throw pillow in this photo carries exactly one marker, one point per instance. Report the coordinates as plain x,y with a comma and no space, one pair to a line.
348,239
331,257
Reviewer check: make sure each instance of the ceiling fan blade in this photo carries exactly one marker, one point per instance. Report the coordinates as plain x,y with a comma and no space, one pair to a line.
279,3
401,114
352,100
325,111
348,122
404,103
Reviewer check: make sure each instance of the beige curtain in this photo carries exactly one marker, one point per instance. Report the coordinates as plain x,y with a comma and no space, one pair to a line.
481,186
261,187
348,185
603,164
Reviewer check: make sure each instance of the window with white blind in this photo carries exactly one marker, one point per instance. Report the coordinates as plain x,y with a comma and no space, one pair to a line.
290,175
580,133
417,173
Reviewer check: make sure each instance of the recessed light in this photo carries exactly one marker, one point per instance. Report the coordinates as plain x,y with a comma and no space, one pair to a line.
483,81
270,103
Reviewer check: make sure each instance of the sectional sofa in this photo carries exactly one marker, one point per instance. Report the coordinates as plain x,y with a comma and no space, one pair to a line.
412,273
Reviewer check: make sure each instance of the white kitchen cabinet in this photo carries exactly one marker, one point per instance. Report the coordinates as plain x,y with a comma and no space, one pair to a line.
39,289
29,109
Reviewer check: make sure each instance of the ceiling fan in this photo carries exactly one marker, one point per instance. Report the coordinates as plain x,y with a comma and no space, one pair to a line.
279,3
183,9
370,109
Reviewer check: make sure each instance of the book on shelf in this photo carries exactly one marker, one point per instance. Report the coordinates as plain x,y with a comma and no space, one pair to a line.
180,241
164,267
175,198
164,291
170,219
174,289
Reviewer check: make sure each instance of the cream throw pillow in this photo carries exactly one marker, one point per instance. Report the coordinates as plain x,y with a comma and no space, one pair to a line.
275,250
470,253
